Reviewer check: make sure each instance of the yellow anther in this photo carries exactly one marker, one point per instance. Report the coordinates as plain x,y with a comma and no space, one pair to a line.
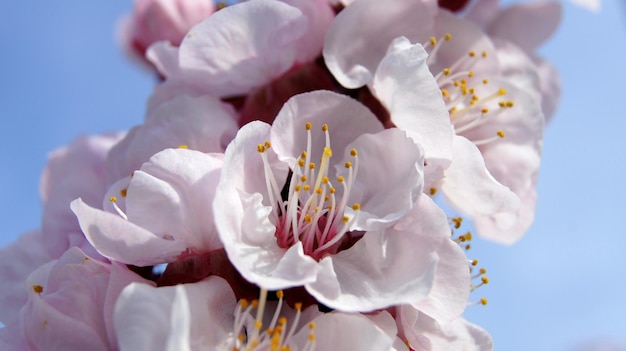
113,199
307,187
453,110
308,126
501,133
468,236
446,71
260,148
258,325
282,321
356,206
433,191
311,337
183,146
502,104
463,81
484,110
255,303
318,191
433,41
298,306
353,152
483,301
448,36
301,163
325,127
312,165
345,219
502,91
221,5
325,180
474,97
484,279
348,164
340,179
123,192
468,246
280,294
312,326
456,83
243,303
267,144
326,198
38,289
297,189
472,54
484,54
444,92
330,207
332,190
510,104
303,178
303,154
457,222
328,152
485,81
482,271
474,262
470,74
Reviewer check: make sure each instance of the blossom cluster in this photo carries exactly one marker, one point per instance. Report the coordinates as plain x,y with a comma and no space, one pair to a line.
288,187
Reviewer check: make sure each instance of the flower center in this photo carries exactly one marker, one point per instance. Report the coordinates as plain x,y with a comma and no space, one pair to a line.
276,336
459,86
312,211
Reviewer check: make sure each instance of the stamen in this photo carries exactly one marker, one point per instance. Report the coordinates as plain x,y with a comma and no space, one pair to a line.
119,211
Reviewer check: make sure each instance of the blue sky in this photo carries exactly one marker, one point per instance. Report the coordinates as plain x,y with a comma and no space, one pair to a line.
564,284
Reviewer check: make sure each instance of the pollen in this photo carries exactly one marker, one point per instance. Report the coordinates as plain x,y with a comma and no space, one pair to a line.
444,92
433,191
485,81
502,91
353,152
500,133
340,179
446,71
260,148
38,289
183,146
267,145
356,206
123,192
484,54
348,164
433,41
484,110
325,127
113,199
308,126
472,54
484,279
483,301
448,36
311,165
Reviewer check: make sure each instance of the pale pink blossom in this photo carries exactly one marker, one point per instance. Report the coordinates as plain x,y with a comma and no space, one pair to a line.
70,305
509,25
367,178
201,123
160,214
241,47
157,20
478,112
77,170
206,316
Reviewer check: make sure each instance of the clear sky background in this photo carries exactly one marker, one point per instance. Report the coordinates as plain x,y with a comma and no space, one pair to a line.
564,285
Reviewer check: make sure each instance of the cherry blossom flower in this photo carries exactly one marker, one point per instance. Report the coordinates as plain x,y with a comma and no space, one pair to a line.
156,20
478,99
176,318
297,223
201,123
241,48
70,305
160,214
